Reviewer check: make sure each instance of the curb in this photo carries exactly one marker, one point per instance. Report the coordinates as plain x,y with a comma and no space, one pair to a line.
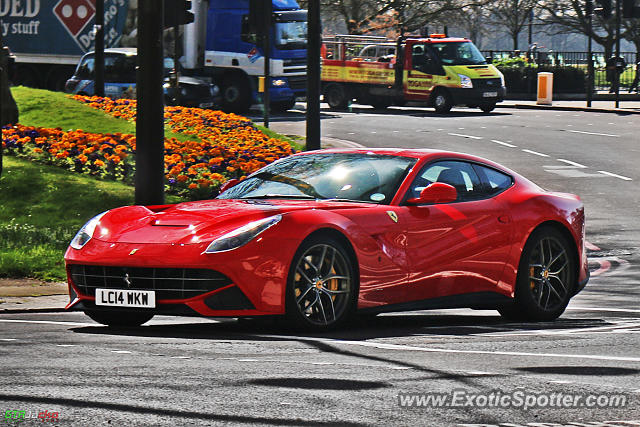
570,108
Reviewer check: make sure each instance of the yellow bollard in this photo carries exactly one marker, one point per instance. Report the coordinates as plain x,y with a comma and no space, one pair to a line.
261,84
545,89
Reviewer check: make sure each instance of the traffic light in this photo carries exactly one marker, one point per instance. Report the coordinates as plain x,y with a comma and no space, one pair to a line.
177,12
603,8
630,10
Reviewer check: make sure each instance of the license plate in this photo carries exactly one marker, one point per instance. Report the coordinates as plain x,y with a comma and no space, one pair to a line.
490,94
206,105
126,298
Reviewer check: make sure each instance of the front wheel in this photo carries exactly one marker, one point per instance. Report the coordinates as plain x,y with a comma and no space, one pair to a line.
546,278
283,106
487,108
322,286
442,102
236,94
119,318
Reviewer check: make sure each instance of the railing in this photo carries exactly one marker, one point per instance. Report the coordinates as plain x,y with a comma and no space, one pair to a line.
576,60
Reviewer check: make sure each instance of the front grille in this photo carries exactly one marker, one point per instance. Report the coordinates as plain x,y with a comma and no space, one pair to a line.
169,283
295,62
298,82
487,84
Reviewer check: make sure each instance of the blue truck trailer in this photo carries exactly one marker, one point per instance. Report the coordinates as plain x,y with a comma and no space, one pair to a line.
218,44
48,37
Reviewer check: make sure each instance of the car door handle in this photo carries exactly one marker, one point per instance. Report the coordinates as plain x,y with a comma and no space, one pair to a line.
504,219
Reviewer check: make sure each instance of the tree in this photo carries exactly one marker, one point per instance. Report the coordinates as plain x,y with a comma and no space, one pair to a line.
570,17
513,15
8,107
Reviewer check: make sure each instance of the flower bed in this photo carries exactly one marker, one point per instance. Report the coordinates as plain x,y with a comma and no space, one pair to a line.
225,146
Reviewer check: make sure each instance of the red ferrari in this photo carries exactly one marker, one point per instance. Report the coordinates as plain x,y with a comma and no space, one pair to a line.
320,236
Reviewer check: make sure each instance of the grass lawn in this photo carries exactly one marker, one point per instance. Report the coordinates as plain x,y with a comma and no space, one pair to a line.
42,207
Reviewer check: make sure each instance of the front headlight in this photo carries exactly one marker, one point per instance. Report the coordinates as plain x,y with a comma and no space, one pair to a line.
465,81
243,235
86,232
278,83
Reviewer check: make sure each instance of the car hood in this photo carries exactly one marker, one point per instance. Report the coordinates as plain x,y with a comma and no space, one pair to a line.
197,222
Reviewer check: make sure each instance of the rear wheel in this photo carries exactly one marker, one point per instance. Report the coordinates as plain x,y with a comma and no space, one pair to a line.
442,101
336,96
546,278
119,318
322,286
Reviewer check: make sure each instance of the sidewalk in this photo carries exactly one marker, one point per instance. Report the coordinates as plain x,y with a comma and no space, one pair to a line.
626,107
27,295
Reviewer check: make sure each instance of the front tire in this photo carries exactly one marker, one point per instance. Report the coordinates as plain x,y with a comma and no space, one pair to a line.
119,318
236,94
546,278
487,108
322,286
283,106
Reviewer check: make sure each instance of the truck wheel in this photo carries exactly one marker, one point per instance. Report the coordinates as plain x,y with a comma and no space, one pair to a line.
380,103
282,106
442,101
487,108
336,96
236,94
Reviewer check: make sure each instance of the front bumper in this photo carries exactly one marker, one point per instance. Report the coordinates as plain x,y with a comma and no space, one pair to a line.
251,285
477,96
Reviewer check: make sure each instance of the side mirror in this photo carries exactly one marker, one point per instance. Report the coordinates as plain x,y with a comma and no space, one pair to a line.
227,185
438,192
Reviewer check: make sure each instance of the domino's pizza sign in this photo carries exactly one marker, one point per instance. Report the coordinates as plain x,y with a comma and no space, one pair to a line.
59,27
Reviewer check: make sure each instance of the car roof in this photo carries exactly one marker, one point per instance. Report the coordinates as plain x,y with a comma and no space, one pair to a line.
418,153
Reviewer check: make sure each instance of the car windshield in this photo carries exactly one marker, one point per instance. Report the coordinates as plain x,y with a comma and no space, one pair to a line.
291,35
360,177
458,53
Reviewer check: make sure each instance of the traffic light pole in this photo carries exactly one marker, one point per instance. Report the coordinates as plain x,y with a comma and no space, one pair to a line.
149,177
314,41
617,74
266,47
99,50
590,53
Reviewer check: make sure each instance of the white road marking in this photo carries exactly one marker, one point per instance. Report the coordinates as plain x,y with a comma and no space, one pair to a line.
180,357
569,162
400,347
591,246
535,152
506,144
47,322
593,133
121,351
546,332
65,345
465,136
625,178
561,382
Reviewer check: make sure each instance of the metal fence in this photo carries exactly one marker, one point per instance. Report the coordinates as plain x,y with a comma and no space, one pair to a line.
577,60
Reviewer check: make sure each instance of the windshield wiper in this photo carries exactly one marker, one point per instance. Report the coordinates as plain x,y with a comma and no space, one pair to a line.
280,196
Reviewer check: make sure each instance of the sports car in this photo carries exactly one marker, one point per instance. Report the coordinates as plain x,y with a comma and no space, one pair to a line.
320,236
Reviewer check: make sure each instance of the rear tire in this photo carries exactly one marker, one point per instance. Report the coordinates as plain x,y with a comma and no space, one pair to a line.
546,278
322,286
119,318
336,96
442,101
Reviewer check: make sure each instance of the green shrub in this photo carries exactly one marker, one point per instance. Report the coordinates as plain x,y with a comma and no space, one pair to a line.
523,79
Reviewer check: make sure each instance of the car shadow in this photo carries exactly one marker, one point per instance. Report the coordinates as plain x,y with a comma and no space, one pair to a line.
359,329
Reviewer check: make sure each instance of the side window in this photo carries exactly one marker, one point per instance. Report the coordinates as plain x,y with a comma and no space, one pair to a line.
247,34
458,174
496,181
417,57
85,69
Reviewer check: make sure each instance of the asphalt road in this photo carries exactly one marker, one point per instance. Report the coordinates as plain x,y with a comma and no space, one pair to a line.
183,371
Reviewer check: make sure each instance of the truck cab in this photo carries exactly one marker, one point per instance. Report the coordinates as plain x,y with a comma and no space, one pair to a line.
234,58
